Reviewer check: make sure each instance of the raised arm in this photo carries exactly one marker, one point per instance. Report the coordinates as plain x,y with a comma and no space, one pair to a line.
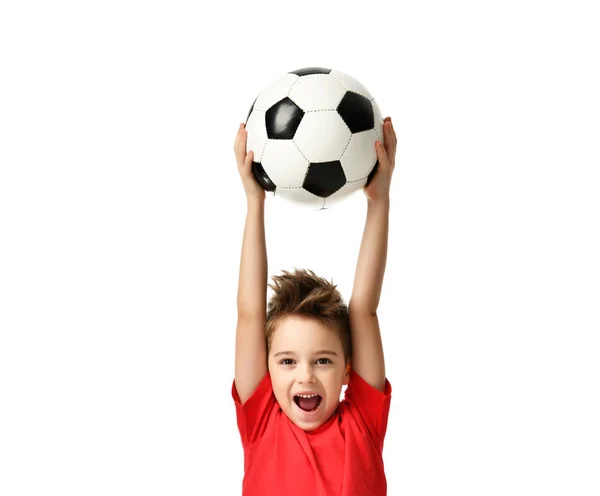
250,344
367,348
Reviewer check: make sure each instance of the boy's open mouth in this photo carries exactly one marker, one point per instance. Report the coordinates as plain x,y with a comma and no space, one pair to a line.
308,404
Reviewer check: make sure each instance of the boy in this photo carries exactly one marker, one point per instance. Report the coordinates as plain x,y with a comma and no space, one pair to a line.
292,360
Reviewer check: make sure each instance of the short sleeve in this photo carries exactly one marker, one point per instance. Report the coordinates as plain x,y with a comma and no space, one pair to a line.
253,414
372,405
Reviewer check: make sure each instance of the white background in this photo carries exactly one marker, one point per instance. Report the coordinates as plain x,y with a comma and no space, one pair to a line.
121,220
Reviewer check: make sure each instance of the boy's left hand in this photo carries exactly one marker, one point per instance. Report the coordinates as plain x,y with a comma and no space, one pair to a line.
379,187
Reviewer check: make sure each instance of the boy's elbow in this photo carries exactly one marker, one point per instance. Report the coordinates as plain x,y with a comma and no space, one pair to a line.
357,309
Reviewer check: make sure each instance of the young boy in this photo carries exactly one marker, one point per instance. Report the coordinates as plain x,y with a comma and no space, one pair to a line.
292,359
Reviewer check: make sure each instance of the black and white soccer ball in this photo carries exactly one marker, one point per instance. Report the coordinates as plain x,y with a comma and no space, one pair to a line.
313,134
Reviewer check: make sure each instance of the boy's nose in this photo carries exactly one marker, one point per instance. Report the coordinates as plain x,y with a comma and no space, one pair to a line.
305,374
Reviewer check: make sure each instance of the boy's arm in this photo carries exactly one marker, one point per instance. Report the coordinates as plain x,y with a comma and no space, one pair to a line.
250,343
367,347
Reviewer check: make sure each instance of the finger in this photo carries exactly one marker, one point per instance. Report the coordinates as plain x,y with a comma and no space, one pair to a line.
236,144
390,137
387,131
240,133
240,144
245,164
241,129
381,153
389,128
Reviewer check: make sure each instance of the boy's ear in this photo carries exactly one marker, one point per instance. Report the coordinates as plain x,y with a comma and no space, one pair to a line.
347,373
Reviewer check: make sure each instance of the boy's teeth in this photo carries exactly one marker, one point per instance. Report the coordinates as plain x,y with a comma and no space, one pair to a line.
307,395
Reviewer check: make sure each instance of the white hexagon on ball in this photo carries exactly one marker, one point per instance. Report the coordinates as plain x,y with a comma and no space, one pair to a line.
351,84
322,136
284,163
300,196
360,157
343,194
317,92
257,134
275,91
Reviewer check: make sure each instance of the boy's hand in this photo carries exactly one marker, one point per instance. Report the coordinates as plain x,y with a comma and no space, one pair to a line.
254,191
379,187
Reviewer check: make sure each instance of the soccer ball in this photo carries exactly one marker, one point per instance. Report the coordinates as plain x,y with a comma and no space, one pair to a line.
313,134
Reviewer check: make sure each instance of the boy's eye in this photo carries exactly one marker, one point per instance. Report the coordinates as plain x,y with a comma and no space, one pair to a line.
318,360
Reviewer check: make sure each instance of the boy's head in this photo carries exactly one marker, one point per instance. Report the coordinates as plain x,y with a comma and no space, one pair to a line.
309,346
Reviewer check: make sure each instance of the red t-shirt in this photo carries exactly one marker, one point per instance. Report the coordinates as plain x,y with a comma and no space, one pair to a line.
342,457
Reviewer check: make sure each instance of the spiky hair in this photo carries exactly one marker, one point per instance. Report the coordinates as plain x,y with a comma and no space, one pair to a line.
303,293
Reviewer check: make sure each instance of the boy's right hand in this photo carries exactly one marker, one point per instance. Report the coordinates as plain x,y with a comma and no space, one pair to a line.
254,191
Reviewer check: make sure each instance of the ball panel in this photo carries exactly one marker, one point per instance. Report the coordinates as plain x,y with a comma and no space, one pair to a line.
344,192
373,172
275,91
357,112
257,134
311,70
360,156
322,136
378,126
262,177
282,119
325,178
284,164
250,111
351,84
300,197
317,92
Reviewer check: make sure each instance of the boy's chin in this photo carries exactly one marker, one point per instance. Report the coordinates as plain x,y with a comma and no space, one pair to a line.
308,426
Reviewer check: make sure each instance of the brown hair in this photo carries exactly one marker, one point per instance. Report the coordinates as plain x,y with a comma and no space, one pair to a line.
302,293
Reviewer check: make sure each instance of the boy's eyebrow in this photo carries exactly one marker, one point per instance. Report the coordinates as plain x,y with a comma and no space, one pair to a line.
321,352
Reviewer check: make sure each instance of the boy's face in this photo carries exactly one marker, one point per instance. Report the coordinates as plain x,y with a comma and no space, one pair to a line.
306,368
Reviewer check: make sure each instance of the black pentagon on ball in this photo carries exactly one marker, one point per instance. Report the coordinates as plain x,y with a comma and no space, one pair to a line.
282,119
307,71
324,178
262,177
357,112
